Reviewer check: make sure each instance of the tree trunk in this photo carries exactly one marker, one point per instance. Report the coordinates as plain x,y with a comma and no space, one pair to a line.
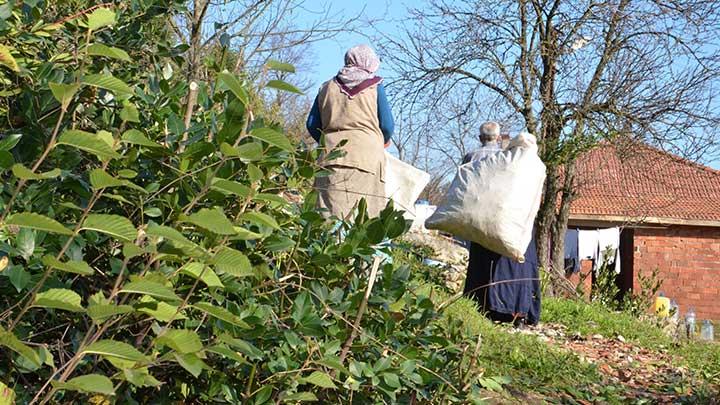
557,257
544,224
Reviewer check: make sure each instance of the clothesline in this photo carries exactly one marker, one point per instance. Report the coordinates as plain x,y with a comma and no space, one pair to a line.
592,245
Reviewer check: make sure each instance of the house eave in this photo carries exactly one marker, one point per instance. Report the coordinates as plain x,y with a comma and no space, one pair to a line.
630,222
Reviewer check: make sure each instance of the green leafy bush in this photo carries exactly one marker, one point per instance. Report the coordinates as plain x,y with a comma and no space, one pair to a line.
143,269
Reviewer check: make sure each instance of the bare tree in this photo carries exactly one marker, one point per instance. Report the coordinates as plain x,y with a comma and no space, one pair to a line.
242,35
571,72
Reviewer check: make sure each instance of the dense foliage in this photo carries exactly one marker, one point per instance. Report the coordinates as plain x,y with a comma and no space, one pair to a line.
138,268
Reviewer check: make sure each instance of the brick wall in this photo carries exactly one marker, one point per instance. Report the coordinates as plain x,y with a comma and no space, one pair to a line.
584,276
688,259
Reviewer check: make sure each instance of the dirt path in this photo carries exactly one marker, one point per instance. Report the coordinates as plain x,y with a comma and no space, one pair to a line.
654,376
643,375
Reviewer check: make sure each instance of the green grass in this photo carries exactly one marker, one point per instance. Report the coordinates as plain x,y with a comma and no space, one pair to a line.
530,362
536,366
591,318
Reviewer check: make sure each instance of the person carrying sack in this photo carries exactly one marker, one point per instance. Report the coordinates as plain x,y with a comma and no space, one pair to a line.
352,113
492,203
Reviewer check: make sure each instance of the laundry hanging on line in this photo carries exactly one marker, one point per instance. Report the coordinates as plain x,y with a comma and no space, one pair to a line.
593,243
572,258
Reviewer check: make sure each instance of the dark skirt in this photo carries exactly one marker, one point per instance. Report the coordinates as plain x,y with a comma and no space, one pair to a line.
504,289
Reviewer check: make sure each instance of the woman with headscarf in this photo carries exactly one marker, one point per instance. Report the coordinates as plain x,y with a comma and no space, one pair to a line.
351,112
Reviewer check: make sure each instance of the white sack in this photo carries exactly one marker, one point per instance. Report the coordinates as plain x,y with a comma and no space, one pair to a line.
422,213
494,201
404,183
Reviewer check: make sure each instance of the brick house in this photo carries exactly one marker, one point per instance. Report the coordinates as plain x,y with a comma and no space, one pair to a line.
668,209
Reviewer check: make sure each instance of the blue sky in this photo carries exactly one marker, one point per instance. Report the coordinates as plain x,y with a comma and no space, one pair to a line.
328,54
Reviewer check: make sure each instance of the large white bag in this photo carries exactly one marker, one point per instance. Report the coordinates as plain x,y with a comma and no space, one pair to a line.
403,184
494,201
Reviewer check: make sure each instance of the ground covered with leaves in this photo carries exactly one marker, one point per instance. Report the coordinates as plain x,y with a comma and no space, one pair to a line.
580,353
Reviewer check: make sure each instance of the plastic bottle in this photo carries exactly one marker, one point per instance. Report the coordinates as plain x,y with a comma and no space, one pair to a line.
707,331
690,323
662,305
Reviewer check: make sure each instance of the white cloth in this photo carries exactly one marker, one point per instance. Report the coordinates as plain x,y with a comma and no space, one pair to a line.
609,238
403,184
493,201
588,244
422,213
482,153
593,243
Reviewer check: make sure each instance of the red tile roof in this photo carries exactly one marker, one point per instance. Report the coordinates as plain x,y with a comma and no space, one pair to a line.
638,182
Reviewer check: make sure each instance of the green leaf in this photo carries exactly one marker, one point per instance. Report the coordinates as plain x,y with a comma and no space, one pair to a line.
153,212
221,314
235,86
244,234
59,298
248,349
273,137
391,380
190,362
72,266
127,173
7,60
113,225
22,172
271,198
140,377
9,340
88,142
181,340
320,379
117,349
99,178
212,219
101,17
25,243
150,288
108,82
261,219
131,250
6,160
36,221
108,52
231,261
301,397
273,64
7,395
91,383
159,310
135,137
231,187
19,278
254,173
9,142
129,112
173,235
227,352
100,312
228,150
283,86
64,93
194,270
250,151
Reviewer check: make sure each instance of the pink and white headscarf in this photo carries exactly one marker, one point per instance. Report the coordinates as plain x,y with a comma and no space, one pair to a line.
361,63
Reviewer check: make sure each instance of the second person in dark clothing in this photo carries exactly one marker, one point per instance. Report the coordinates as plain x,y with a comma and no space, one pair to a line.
504,289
